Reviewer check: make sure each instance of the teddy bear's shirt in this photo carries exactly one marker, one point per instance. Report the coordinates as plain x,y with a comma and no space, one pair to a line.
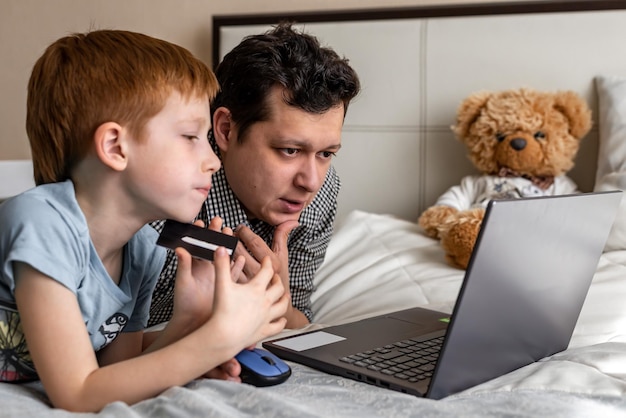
477,190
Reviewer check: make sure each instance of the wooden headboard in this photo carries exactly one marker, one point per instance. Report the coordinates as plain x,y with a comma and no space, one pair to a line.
417,64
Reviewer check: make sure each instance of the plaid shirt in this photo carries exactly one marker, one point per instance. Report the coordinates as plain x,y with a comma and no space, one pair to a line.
307,243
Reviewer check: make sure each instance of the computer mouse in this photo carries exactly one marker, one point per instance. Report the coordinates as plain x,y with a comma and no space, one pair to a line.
259,367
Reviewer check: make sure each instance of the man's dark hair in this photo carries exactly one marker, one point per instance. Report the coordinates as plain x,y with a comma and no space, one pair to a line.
313,78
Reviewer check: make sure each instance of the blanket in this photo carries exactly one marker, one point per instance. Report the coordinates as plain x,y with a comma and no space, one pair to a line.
377,264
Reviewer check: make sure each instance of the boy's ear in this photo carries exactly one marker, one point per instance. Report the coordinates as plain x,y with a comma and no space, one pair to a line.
110,146
222,127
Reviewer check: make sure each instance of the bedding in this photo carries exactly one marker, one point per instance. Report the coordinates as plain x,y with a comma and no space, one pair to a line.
376,264
611,172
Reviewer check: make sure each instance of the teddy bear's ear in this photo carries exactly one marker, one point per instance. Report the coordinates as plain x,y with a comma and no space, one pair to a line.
575,110
468,112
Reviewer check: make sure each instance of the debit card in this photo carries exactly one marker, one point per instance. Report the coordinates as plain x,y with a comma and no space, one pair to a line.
200,242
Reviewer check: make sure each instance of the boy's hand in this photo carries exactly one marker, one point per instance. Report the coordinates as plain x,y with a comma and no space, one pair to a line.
193,290
195,284
278,254
247,312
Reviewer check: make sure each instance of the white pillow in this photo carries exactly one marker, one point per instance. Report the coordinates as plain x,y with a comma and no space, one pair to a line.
611,173
377,263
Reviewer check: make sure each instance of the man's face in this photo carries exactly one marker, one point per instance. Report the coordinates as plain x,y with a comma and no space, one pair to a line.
281,164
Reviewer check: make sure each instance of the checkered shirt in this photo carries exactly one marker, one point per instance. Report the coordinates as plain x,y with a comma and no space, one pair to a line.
307,243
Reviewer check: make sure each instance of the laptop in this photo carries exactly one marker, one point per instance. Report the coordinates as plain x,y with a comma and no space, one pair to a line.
520,299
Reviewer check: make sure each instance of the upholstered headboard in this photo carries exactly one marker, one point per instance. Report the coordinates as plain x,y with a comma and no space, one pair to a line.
417,64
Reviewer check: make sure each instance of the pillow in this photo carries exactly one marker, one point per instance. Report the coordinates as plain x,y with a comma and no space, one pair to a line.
611,172
376,263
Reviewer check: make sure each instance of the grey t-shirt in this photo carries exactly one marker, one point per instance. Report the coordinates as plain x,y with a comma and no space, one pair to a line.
46,229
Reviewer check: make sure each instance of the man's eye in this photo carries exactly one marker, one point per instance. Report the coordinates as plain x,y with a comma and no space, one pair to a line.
290,151
328,154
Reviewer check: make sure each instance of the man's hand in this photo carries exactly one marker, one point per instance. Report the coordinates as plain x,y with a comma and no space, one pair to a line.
253,248
226,371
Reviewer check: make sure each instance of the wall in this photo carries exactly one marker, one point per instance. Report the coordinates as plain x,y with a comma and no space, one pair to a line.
28,26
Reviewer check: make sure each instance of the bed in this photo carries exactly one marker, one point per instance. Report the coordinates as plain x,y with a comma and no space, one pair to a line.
380,261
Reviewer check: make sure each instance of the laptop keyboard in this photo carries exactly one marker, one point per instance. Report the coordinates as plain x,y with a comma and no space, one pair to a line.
411,360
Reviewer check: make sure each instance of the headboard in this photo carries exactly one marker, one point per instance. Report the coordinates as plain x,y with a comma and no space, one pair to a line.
417,64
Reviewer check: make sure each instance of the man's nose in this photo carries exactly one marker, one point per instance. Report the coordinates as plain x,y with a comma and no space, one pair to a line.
308,175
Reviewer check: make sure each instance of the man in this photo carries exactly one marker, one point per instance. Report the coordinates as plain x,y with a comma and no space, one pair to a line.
276,126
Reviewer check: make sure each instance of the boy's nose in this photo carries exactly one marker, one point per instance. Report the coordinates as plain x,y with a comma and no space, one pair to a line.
211,162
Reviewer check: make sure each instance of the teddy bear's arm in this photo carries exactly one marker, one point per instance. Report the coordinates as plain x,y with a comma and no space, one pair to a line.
455,199
464,195
564,185
432,218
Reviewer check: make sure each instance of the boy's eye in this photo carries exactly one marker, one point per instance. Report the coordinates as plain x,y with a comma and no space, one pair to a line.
191,137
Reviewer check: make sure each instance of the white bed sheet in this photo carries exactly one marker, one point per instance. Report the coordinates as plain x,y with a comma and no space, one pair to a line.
377,264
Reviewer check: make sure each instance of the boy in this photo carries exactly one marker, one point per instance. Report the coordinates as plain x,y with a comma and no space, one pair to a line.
117,122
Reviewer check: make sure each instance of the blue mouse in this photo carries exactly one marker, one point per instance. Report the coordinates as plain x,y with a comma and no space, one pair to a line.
259,367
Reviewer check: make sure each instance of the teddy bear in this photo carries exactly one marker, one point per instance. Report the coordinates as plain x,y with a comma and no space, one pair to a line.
523,142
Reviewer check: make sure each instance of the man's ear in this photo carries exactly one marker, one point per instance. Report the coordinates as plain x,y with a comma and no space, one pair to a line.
222,127
110,146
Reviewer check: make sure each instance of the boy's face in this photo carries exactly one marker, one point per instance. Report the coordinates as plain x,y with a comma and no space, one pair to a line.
282,163
173,162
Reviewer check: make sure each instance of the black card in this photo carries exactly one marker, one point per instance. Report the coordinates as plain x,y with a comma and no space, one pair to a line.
200,242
